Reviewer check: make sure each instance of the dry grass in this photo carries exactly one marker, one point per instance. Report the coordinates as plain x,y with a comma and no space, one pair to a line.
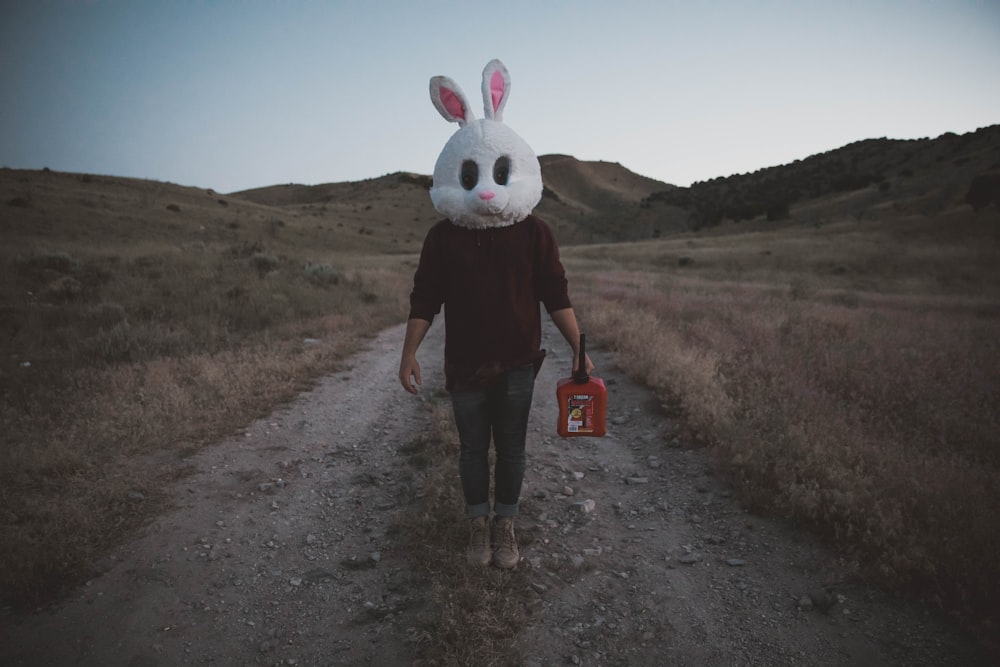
845,377
126,346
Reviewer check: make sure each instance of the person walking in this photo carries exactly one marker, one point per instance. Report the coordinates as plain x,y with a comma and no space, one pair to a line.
491,264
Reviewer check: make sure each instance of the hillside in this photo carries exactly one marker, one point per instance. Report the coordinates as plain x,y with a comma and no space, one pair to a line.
603,202
584,202
592,202
912,176
106,214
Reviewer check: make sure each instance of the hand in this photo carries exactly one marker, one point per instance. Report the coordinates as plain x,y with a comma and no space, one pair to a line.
409,367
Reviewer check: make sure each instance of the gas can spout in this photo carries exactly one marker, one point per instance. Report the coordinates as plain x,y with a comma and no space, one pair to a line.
580,376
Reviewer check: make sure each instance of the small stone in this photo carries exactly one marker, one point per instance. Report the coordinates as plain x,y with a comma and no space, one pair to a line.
585,506
539,587
567,491
295,581
578,476
736,562
311,539
689,559
637,480
577,561
375,556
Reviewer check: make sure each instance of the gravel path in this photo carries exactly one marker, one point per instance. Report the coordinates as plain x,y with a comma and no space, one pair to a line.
279,550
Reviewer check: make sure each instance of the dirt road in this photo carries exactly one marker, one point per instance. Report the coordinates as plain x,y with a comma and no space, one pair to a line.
279,550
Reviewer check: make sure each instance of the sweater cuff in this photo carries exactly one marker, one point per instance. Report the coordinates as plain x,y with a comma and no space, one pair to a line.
552,305
421,314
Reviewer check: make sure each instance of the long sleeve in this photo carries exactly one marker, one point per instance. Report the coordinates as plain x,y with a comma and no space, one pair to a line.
551,286
429,281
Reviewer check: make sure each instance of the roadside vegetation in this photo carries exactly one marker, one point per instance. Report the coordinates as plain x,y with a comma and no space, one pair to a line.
123,355
843,376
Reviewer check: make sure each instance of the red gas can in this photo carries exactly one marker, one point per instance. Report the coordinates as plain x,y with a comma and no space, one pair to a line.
583,401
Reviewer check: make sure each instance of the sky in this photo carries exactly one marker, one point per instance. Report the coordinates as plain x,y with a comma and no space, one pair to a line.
232,95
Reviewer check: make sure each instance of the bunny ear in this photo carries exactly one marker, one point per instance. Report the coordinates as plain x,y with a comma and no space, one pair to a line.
450,101
496,89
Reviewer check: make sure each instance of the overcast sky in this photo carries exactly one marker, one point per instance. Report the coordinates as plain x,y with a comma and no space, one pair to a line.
234,95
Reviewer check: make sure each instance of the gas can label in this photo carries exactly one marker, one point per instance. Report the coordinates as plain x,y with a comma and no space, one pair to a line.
580,413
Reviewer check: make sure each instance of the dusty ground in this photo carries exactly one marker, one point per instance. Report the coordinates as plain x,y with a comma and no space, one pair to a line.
280,550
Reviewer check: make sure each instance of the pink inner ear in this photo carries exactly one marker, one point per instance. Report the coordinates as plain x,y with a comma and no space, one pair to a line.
452,103
496,89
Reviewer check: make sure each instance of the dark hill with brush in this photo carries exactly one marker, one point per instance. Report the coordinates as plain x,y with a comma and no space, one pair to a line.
857,180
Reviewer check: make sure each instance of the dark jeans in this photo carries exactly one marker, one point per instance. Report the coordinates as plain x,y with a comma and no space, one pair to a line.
501,410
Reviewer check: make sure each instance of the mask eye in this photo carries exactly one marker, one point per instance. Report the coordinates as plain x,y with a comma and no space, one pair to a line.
470,174
501,170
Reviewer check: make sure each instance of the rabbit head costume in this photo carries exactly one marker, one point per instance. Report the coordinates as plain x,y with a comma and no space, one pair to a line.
487,175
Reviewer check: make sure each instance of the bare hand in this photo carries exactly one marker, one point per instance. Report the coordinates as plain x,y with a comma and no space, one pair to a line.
409,368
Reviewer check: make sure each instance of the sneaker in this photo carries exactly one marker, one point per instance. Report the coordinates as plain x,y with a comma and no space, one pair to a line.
506,554
479,552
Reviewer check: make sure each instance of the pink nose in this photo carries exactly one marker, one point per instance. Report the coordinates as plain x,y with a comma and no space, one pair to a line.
487,195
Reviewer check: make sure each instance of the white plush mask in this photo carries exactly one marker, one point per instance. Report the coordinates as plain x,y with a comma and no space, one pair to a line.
486,175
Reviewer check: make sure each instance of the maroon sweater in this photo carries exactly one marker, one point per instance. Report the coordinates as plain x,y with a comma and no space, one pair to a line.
490,282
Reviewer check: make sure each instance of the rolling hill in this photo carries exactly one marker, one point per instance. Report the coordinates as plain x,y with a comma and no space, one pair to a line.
584,202
604,202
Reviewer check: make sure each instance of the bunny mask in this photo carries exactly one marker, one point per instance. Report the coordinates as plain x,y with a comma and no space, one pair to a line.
486,175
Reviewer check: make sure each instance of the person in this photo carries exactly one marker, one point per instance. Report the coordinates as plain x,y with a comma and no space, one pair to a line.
492,265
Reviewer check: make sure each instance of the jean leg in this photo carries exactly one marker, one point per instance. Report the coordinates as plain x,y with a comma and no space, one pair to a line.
510,410
472,420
